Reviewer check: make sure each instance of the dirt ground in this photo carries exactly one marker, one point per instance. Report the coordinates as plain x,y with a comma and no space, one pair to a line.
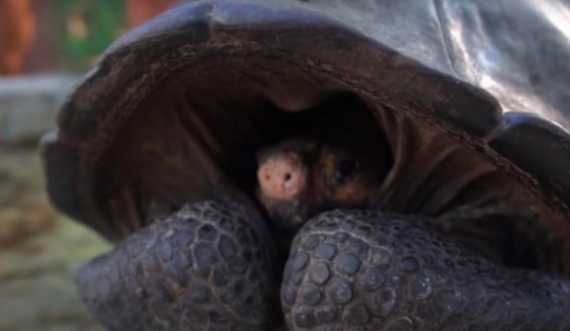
40,252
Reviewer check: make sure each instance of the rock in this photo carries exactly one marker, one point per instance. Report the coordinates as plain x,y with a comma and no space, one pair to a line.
24,207
40,253
37,288
29,105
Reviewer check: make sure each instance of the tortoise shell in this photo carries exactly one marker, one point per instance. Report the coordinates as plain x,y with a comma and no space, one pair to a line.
175,109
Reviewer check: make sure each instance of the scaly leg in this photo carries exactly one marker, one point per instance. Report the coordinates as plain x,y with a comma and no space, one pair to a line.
205,267
376,271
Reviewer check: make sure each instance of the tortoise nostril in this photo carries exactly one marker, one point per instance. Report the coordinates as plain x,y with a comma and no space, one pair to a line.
281,177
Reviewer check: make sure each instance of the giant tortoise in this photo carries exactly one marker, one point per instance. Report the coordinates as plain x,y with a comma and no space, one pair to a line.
157,150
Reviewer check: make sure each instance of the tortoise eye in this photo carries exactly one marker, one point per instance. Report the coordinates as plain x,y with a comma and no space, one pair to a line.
346,170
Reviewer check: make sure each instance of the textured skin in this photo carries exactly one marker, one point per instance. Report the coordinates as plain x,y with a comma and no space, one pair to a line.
202,268
205,267
374,271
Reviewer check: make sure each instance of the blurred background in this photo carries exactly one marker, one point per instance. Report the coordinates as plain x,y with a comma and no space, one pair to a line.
45,47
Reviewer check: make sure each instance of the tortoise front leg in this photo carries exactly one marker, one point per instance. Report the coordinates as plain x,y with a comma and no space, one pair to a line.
205,267
374,271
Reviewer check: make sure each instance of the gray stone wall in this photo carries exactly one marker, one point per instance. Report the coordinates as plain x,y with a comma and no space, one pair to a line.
29,105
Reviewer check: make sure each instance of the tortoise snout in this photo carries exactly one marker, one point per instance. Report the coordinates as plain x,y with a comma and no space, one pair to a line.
282,177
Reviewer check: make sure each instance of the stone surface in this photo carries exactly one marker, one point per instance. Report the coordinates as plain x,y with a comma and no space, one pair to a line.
40,253
37,288
24,207
29,105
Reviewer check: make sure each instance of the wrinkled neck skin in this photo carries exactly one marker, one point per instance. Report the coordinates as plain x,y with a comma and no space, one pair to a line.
433,177
468,197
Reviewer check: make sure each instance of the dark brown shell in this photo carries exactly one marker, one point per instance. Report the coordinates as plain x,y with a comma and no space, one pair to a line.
173,110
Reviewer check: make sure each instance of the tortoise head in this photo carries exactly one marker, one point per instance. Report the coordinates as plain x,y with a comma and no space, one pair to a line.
177,110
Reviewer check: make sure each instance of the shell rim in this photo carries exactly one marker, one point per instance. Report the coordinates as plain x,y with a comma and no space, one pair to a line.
210,26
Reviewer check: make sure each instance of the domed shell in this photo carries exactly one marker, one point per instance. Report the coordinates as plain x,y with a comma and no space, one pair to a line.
176,106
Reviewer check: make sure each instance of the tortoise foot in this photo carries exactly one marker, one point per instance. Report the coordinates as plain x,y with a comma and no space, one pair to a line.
204,267
374,271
